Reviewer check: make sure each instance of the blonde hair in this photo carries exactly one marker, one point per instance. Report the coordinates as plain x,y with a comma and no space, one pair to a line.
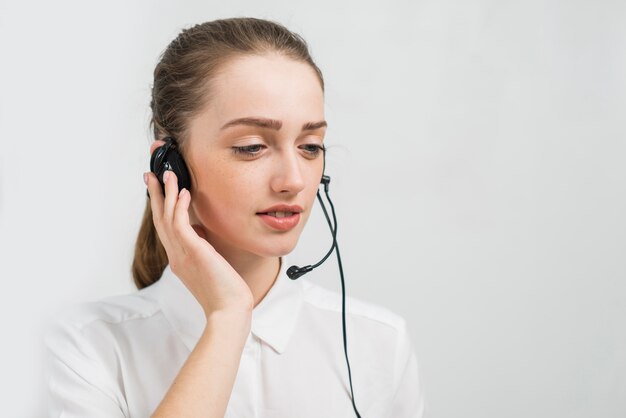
181,88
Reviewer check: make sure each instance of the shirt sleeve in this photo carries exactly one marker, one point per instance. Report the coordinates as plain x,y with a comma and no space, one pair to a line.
78,384
408,401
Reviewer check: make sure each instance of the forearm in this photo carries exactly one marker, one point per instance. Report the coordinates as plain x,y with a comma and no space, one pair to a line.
204,384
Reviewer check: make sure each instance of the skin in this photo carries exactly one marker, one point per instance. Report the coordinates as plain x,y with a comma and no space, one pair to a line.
215,242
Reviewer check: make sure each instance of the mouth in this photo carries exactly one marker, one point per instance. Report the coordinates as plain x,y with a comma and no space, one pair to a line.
281,217
280,221
278,214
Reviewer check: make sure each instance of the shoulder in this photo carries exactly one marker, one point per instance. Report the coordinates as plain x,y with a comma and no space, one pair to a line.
385,350
111,309
356,308
73,324
83,348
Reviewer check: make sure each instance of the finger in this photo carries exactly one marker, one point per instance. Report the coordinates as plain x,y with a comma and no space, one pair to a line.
156,204
171,195
169,205
188,238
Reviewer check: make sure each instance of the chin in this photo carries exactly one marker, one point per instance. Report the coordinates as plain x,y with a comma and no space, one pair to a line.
276,248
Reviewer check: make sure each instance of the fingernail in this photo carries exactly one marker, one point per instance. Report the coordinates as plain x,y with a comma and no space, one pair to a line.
145,178
165,176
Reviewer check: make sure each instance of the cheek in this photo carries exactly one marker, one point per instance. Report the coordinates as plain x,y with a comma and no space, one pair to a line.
226,198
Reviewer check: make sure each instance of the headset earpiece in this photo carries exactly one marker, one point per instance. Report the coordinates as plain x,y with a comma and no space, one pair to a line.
166,157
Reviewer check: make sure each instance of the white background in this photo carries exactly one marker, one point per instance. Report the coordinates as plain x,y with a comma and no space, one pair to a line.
477,151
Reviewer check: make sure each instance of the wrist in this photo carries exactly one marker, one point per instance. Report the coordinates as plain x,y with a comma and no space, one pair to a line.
231,320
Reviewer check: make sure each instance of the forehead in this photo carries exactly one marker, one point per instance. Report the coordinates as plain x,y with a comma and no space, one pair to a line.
268,86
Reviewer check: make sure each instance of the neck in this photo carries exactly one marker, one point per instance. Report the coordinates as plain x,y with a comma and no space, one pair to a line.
259,273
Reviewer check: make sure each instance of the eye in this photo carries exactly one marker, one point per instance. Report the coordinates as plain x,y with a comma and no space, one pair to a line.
313,149
248,150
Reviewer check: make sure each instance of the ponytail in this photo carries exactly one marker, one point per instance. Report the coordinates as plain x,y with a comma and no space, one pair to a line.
150,256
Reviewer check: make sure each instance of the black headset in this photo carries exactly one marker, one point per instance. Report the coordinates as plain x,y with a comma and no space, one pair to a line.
166,157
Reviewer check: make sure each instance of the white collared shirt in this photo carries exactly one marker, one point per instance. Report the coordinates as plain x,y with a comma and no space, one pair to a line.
118,356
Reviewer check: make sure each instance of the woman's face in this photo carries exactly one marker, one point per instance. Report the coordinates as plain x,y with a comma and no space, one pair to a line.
241,170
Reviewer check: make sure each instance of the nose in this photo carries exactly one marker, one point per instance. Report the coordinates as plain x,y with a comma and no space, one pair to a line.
288,176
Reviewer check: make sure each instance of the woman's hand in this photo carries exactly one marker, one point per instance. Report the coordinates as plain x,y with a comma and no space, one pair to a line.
209,277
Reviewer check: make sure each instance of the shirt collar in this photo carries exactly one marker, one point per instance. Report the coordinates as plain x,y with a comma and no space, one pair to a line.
273,319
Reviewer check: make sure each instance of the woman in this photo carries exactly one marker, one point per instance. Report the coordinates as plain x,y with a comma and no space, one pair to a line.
216,328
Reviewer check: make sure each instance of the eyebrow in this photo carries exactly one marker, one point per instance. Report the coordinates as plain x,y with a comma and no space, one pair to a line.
271,123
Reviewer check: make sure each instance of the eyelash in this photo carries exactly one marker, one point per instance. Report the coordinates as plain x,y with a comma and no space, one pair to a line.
252,150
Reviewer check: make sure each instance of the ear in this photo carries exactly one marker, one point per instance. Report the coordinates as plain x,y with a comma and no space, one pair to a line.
155,145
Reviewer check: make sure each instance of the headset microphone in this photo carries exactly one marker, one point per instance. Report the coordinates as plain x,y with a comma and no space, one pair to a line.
294,271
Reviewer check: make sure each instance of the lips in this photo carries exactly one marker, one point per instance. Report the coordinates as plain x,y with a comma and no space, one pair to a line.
281,217
280,209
